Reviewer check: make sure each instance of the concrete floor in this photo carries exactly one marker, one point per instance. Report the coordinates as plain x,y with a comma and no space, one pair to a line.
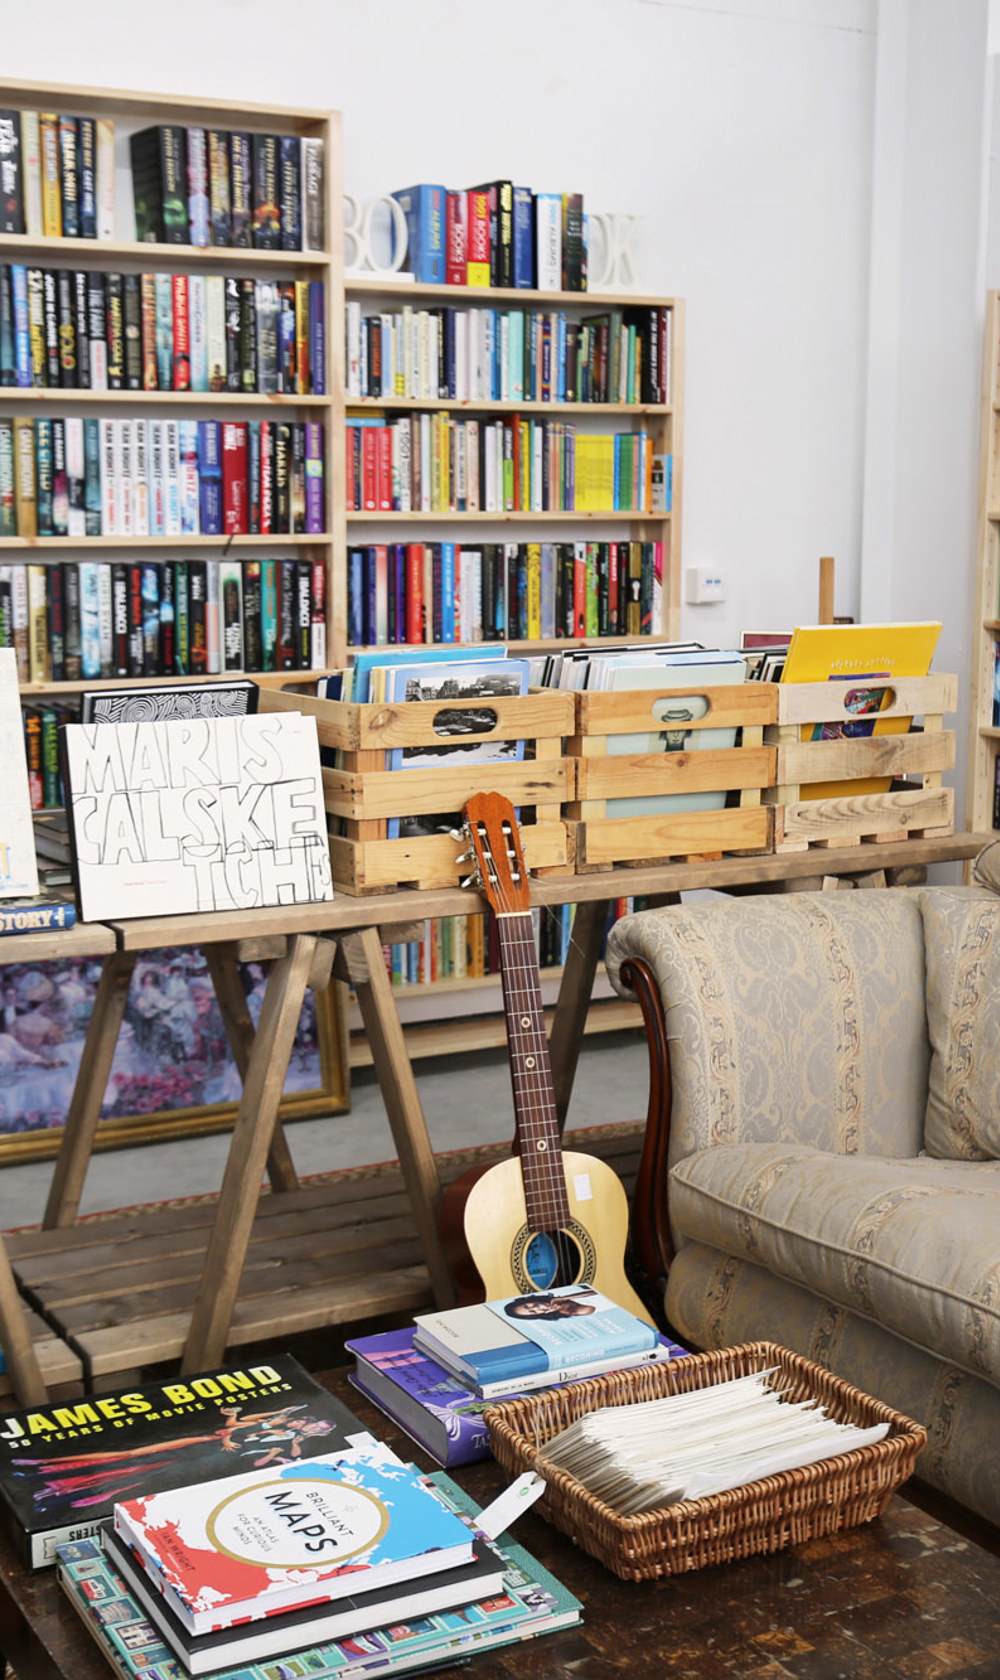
466,1100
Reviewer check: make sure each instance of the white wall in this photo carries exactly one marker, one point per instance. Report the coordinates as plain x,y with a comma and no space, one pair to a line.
741,128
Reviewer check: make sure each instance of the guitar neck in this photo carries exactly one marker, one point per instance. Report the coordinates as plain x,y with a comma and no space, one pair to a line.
537,1122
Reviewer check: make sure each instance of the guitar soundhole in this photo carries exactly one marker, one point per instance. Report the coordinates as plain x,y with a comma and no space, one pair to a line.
552,1259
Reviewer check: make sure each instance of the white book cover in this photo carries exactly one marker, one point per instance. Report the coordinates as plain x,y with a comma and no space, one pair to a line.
472,469
31,163
505,357
213,621
105,620
140,478
124,469
404,439
463,319
157,482
548,234
215,331
76,519
425,463
105,172
171,479
353,347
109,480
197,814
187,441
18,868
90,617
198,331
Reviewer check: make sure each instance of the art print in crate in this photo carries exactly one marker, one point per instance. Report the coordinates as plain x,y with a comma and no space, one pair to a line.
202,814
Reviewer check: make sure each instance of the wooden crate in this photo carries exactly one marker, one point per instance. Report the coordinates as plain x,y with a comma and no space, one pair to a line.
601,841
362,794
923,809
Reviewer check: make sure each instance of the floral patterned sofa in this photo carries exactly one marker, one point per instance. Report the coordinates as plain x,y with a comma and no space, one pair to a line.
822,1160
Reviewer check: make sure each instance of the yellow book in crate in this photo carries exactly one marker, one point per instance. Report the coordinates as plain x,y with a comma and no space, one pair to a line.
863,657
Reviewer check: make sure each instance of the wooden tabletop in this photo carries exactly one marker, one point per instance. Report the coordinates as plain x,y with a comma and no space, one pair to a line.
904,1598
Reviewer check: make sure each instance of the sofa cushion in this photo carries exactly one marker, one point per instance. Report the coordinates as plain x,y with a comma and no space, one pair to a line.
794,1016
962,944
911,1244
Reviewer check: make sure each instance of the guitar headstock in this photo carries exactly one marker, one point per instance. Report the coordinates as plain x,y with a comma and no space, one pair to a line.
496,845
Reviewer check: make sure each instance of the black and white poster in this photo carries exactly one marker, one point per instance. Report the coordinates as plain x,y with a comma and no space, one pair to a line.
197,814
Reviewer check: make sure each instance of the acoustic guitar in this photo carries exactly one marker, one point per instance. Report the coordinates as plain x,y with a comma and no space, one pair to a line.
546,1217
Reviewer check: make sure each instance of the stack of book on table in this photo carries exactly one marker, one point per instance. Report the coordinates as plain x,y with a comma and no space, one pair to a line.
437,1378
329,1556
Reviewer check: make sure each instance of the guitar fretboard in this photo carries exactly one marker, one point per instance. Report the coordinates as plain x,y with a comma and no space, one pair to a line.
531,1076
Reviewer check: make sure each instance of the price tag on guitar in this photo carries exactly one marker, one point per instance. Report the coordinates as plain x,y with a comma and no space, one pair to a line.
546,1217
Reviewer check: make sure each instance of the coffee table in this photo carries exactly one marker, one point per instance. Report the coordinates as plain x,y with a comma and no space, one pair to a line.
905,1598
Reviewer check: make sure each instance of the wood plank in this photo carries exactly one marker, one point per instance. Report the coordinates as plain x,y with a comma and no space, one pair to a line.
251,1141
84,939
875,755
631,711
20,1352
827,819
91,1082
403,1107
376,865
377,794
617,839
631,775
824,702
355,726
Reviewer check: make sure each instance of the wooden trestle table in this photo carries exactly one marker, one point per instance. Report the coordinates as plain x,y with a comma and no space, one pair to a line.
307,942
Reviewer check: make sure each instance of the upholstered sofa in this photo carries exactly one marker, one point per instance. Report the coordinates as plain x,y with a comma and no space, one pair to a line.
822,1159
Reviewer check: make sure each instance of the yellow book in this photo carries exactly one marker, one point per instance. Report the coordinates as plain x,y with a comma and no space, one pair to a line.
48,125
302,338
534,578
595,472
25,488
856,654
39,655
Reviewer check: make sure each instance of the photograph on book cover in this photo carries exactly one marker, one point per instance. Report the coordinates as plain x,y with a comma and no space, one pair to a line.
173,1073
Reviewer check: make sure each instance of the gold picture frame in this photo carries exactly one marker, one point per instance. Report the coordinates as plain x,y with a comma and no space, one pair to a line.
41,1141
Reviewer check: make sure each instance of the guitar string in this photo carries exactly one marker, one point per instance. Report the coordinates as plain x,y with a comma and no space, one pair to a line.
533,1093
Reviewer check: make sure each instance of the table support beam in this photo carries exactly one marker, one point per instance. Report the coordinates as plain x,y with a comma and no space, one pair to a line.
222,963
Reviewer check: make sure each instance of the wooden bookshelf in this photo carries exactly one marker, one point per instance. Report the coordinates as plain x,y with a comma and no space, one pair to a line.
984,738
131,111
662,421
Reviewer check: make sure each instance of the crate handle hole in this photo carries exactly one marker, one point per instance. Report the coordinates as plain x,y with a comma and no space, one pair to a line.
674,715
478,720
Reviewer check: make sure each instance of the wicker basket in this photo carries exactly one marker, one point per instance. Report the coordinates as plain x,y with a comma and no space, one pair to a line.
763,1516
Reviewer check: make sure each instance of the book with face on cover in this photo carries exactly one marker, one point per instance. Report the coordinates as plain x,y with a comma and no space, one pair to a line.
245,1547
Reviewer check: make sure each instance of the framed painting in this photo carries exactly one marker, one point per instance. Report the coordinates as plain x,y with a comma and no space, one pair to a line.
173,1072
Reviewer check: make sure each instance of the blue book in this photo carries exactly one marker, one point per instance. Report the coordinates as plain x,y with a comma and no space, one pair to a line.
22,336
90,618
355,609
524,238
210,477
92,484
34,915
317,338
164,332
447,592
528,1341
424,209
398,559
86,129
560,390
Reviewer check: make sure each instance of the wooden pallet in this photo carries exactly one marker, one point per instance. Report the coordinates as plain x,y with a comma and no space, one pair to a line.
363,796
61,1368
338,1250
600,840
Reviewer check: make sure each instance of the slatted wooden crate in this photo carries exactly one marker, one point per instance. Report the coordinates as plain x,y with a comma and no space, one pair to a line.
924,808
601,840
363,794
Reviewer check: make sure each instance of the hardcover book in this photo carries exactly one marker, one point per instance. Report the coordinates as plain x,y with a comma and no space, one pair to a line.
63,1466
246,1547
531,1602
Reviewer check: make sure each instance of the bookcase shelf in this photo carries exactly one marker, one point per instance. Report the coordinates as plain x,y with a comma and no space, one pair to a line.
269,679
473,405
488,295
66,396
86,545
13,246
567,517
984,737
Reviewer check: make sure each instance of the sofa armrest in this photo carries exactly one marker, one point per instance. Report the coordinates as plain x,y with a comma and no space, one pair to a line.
652,1243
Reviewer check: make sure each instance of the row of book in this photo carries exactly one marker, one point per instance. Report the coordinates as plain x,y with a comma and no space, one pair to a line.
467,947
510,355
197,186
496,235
173,478
100,619
57,175
72,329
446,592
41,745
435,463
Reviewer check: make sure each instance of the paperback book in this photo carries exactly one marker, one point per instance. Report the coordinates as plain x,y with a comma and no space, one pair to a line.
531,1341
63,1466
280,1539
